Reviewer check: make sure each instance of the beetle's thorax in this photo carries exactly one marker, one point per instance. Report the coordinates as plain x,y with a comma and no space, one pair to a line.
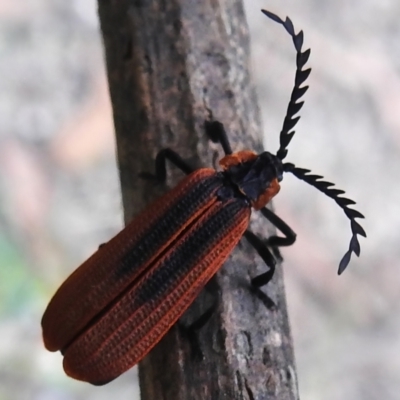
257,177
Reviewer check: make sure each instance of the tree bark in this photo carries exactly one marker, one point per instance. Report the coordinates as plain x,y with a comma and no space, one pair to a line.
168,61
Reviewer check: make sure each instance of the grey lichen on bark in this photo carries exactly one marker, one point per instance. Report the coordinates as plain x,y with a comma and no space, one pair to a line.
168,62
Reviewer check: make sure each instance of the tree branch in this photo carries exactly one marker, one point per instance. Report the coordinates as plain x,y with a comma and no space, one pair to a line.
168,61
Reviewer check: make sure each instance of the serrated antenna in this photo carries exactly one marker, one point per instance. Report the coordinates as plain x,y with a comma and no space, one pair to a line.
301,75
326,188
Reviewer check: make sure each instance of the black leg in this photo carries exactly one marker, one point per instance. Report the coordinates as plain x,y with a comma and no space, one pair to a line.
262,249
262,246
277,241
161,160
204,318
191,330
216,132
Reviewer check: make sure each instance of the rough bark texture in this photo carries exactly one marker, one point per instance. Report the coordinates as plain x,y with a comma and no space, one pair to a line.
168,60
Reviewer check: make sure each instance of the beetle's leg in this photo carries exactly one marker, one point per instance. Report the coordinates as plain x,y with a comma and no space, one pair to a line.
216,132
262,246
160,164
278,241
191,330
264,252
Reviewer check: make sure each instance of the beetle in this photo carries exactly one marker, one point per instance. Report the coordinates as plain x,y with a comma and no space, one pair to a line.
113,309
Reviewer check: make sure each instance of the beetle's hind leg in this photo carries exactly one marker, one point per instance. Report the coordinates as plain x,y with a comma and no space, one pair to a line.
191,331
160,165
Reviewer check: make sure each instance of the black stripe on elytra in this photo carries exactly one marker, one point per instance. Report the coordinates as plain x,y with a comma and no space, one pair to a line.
188,253
170,272
166,225
155,236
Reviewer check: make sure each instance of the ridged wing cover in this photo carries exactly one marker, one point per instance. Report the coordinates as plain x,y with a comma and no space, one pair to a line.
142,315
113,268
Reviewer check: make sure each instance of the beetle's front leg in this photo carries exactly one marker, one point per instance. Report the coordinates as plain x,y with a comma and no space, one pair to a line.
160,165
263,246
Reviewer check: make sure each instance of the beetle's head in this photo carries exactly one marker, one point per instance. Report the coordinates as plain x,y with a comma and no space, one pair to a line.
256,176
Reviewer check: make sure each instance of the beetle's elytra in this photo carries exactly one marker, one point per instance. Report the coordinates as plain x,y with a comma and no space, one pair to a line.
120,302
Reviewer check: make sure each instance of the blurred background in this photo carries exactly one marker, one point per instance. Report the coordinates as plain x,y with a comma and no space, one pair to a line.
59,189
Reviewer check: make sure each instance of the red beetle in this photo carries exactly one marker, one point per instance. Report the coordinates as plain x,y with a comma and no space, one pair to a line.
119,303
